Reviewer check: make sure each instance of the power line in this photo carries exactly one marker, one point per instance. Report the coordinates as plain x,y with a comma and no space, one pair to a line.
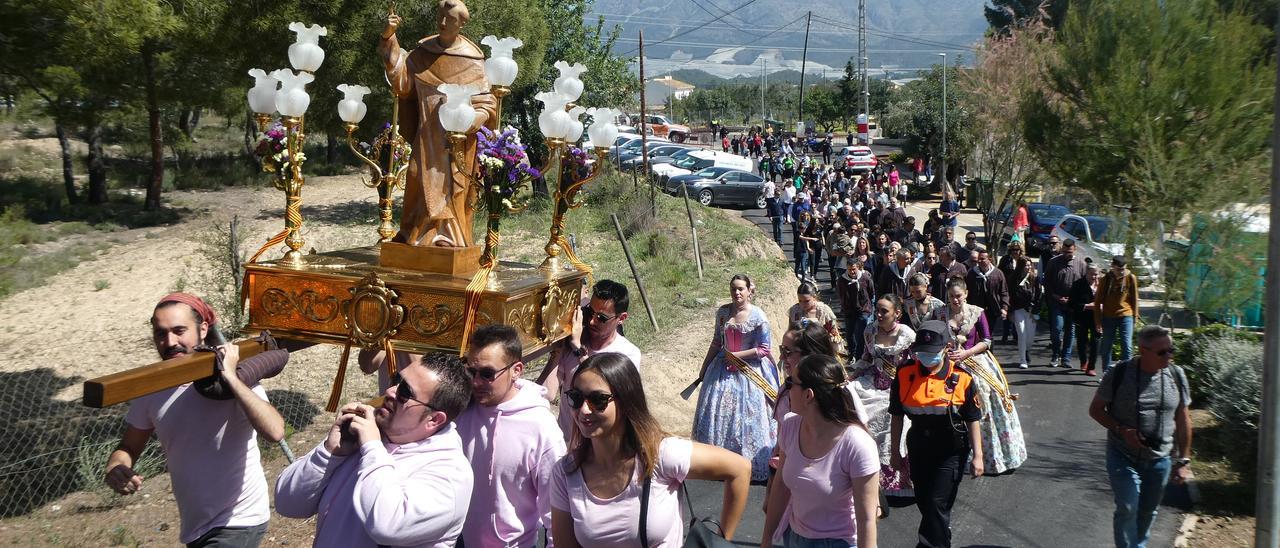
929,51
679,34
723,13
932,43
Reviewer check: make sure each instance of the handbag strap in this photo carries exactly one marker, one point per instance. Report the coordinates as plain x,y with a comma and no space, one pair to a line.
644,512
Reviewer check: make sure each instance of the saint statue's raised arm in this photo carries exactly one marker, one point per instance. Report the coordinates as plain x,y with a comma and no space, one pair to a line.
436,210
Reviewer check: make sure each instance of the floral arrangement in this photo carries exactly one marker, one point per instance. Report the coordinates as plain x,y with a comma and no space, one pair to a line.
272,151
504,167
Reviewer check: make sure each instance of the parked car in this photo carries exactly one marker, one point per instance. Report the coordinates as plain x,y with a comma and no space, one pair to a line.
857,159
662,127
699,160
659,154
721,185
1100,238
1043,218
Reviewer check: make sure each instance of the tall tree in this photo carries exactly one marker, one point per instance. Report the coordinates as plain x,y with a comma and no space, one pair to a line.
1006,15
917,113
1009,68
1154,104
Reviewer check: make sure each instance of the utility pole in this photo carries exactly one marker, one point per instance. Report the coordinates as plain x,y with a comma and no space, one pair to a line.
944,116
804,57
862,54
1267,530
644,129
764,82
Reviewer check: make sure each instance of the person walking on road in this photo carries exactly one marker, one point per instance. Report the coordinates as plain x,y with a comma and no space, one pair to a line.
827,486
1024,298
1115,307
857,302
1143,403
732,411
773,209
885,343
620,461
1088,334
809,308
942,403
920,306
1063,271
988,289
804,233
1003,443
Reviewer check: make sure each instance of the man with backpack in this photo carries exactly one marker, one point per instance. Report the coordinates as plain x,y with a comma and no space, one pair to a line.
1143,403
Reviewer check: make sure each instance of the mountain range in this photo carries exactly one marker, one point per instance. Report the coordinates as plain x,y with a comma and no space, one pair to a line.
746,37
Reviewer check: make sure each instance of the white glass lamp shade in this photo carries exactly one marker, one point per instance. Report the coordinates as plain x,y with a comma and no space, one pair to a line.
352,108
305,53
501,68
457,114
262,96
573,131
292,99
554,121
603,130
568,84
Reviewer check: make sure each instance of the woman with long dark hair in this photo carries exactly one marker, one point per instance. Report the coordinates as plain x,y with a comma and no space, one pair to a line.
617,448
887,343
1003,444
733,411
828,487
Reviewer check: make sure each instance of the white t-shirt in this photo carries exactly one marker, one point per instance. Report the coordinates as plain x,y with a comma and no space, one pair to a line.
568,365
822,488
607,523
211,450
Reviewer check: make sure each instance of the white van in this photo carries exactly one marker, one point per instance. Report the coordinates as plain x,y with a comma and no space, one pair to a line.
699,160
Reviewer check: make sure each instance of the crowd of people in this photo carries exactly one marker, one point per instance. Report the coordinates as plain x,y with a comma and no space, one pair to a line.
896,393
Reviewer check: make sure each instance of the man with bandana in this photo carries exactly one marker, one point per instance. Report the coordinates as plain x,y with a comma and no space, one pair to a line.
209,433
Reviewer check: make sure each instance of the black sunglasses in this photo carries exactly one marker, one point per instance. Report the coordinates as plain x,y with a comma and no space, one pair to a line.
489,374
588,314
597,401
404,392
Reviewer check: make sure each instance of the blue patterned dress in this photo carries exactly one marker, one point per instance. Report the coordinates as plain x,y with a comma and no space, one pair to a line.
733,412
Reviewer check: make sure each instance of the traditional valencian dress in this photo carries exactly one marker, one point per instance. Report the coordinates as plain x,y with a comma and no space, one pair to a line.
825,317
1003,447
733,412
872,377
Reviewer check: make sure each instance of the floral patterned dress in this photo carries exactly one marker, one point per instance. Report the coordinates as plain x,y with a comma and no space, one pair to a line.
733,412
872,377
1003,446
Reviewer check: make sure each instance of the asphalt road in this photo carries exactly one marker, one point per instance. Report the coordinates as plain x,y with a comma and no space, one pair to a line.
1059,498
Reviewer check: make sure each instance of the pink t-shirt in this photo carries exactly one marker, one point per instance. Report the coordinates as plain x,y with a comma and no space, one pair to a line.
821,504
606,523
211,451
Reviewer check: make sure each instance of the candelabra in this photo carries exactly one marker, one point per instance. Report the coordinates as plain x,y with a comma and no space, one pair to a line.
284,91
387,177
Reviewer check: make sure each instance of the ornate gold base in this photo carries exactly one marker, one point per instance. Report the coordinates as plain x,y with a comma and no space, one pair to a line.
313,302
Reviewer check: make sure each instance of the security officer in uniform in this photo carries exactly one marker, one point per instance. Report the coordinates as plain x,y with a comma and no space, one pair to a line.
943,405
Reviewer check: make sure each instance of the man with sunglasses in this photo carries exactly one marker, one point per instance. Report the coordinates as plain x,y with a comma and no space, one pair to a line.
1143,403
595,331
512,440
392,475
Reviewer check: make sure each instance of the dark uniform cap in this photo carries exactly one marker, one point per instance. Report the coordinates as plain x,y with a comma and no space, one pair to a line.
931,337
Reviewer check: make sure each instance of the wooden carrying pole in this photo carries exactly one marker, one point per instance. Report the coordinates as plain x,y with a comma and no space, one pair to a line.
132,383
635,274
697,251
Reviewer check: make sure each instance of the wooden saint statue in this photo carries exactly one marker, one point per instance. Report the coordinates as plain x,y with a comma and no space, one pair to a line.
437,209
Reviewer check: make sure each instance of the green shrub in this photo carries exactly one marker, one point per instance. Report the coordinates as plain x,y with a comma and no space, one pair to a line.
1194,354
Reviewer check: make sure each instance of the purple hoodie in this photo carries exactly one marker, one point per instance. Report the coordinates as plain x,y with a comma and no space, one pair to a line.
386,494
513,447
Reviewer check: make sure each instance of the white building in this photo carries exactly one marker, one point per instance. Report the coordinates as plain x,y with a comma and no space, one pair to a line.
657,90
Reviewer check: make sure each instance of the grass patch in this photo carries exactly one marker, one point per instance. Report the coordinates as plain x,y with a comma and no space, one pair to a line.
661,246
1225,469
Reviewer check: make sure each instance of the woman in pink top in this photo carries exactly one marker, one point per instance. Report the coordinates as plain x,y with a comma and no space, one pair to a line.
616,444
830,465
